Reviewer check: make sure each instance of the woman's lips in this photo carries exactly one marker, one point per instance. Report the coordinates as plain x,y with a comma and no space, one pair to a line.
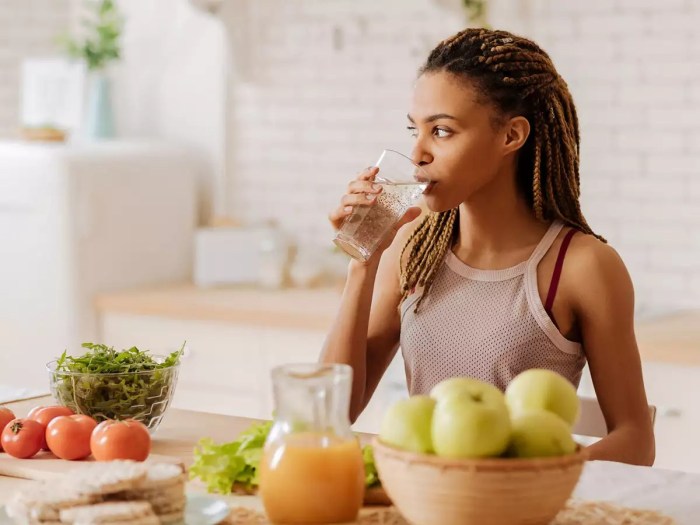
429,187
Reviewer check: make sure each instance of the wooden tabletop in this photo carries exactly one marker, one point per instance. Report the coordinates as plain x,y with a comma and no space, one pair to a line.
670,492
179,431
176,436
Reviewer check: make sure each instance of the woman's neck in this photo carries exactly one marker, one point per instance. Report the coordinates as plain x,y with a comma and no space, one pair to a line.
496,225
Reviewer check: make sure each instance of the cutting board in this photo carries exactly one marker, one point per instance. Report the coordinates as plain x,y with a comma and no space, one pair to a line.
47,466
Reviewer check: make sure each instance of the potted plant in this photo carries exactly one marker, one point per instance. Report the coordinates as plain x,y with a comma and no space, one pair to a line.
97,48
476,11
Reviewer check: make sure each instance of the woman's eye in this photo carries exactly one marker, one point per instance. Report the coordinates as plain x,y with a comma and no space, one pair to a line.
440,133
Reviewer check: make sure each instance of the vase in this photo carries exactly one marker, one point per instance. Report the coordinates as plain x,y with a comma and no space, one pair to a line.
99,120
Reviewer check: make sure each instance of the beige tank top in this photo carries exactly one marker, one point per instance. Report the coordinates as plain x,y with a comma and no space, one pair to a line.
486,324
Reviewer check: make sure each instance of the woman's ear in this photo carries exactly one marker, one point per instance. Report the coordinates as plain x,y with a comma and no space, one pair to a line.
517,130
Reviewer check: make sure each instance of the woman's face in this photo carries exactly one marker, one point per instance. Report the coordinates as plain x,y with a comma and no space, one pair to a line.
456,139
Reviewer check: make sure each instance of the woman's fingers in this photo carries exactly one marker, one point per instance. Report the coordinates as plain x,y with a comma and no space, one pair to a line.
337,216
364,186
358,199
347,204
368,173
361,192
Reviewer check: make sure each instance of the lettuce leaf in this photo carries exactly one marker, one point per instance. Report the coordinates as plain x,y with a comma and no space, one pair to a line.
220,466
371,475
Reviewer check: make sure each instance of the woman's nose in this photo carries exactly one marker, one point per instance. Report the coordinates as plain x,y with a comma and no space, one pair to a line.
421,155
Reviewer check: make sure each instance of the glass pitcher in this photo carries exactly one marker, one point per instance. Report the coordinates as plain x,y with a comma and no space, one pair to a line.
311,470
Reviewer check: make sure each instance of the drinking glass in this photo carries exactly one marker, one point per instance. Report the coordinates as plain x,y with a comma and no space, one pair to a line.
403,183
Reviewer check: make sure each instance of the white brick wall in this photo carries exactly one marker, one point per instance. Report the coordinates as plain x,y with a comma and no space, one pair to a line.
330,82
633,67
28,28
327,89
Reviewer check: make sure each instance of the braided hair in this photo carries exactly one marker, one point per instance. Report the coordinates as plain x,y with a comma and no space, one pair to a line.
518,78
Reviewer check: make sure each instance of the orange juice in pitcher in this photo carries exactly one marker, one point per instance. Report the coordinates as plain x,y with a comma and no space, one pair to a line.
312,470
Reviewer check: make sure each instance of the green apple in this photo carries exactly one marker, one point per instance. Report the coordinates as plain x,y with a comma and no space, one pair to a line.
407,424
467,385
470,426
543,389
538,433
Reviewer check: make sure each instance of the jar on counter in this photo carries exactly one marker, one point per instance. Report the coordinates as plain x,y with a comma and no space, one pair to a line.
312,470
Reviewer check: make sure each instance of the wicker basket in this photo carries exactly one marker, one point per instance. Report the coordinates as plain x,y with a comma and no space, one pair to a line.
429,490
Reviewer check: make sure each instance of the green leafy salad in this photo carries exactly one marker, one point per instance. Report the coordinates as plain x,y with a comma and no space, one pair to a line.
222,466
371,475
105,383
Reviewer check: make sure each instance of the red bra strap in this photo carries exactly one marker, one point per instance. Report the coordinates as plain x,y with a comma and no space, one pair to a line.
557,272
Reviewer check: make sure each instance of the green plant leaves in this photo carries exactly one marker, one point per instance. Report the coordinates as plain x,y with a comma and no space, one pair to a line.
101,43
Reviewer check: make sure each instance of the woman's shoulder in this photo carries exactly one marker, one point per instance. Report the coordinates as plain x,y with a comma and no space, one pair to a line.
595,271
590,254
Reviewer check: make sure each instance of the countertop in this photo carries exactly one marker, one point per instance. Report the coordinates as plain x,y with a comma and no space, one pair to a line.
307,308
673,338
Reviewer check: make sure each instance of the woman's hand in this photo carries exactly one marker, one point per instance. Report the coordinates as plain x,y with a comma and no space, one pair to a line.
363,191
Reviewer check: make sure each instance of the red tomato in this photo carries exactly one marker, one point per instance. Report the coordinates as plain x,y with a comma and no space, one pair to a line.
22,438
44,415
68,437
33,411
120,440
6,416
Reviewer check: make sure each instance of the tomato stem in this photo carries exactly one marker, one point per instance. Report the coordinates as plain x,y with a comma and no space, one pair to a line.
16,427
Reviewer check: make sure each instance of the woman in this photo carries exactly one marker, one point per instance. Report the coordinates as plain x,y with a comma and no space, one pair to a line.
504,273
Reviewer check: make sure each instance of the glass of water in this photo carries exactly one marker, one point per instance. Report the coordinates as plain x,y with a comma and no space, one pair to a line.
403,183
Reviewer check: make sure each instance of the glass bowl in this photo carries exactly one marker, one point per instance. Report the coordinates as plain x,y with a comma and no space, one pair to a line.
143,396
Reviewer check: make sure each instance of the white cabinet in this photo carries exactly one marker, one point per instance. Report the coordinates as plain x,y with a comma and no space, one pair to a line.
221,367
675,391
226,367
285,346
76,221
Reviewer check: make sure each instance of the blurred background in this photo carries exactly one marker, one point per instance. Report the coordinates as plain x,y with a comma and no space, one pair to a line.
171,181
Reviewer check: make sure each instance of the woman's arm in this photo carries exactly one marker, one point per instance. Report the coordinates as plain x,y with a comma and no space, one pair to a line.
604,308
347,341
365,334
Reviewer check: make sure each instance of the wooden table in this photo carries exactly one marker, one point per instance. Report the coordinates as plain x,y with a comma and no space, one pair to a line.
674,493
176,436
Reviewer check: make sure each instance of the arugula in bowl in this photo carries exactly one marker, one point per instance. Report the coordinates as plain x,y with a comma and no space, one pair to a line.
105,383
